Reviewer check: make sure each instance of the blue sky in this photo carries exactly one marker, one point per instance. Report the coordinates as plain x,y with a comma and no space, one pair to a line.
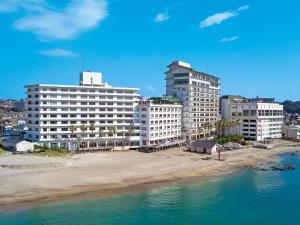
252,45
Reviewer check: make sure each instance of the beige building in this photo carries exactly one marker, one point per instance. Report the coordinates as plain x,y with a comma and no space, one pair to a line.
259,118
291,132
199,93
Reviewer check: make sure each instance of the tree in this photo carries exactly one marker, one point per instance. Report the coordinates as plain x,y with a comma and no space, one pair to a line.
219,127
123,140
291,107
82,128
222,126
201,129
233,123
92,128
130,133
228,125
205,128
210,127
237,124
72,130
112,134
100,134
78,142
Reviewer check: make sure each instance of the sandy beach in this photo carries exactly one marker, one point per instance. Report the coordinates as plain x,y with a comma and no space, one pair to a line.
27,179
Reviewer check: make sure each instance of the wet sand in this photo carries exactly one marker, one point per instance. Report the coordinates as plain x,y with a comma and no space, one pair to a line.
29,180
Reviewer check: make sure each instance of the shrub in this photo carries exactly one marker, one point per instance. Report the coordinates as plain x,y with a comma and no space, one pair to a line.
233,138
244,143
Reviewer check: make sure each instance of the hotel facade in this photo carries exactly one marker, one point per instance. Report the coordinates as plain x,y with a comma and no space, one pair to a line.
160,120
95,115
89,115
199,94
260,119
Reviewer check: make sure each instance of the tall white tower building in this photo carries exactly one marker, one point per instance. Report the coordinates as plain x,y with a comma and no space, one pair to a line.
199,94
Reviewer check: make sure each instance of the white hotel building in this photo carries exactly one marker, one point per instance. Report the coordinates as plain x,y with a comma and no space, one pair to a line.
52,109
199,93
260,119
160,120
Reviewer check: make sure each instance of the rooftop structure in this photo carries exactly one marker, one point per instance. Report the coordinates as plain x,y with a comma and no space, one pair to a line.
91,79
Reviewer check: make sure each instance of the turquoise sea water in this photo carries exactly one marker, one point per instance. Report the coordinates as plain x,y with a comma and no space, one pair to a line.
245,198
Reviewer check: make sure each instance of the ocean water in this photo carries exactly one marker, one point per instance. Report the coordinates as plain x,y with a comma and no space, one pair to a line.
247,197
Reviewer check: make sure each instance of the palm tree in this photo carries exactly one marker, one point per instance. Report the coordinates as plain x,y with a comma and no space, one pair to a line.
92,128
112,134
210,127
82,128
205,128
201,130
219,125
78,143
114,137
237,124
224,125
229,124
130,133
100,134
123,140
72,130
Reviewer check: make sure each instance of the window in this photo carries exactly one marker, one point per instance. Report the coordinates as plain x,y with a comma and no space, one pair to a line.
245,112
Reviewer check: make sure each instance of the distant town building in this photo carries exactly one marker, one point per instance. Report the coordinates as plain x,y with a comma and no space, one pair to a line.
259,120
160,120
90,115
291,132
6,129
199,93
19,105
291,119
6,104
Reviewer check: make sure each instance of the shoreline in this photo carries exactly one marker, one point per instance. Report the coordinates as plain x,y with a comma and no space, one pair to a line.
250,158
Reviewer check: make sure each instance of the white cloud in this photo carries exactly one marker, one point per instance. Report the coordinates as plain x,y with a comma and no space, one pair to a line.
150,88
217,19
9,6
244,7
58,52
229,39
221,17
49,23
161,17
15,5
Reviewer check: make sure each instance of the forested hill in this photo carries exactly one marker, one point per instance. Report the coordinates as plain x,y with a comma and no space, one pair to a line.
291,107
